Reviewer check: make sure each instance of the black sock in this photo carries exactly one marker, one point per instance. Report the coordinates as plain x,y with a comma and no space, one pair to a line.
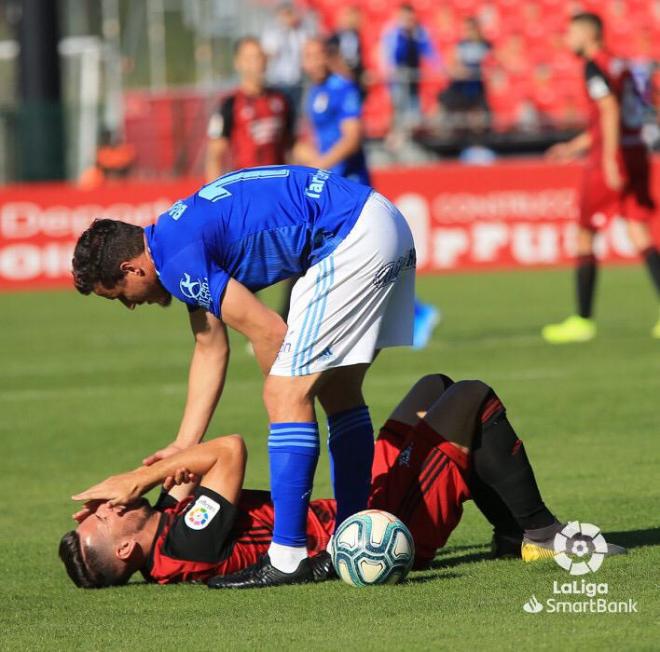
585,280
500,461
493,508
651,257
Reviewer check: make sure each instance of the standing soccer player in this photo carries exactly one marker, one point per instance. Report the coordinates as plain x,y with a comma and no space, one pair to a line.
617,174
241,233
333,108
253,126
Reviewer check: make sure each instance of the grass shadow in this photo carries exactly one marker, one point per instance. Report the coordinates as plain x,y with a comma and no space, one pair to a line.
469,558
635,538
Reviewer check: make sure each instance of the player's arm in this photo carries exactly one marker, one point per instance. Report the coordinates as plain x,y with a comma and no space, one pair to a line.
571,149
206,380
349,143
289,133
220,463
219,133
242,311
217,158
609,111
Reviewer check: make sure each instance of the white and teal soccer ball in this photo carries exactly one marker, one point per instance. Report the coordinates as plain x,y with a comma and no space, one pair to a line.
372,547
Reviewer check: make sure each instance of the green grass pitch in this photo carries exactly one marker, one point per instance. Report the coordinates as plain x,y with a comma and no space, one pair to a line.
87,389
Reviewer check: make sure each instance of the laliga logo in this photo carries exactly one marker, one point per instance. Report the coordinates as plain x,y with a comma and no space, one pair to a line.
583,540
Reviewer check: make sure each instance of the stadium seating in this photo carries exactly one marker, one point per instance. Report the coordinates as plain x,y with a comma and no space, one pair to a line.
532,79
529,69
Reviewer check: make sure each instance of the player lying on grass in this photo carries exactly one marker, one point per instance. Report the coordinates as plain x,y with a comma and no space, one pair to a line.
445,442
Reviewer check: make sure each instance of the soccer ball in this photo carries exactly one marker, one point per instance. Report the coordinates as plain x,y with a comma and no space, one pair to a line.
372,547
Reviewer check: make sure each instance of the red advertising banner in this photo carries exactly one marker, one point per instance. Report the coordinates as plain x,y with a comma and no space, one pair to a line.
464,217
506,215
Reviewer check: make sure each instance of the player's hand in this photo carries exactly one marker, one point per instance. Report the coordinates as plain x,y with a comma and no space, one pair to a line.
560,153
122,489
182,476
304,153
87,510
168,451
612,174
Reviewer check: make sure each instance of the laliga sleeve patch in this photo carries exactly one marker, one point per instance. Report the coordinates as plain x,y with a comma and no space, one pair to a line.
201,513
598,87
216,126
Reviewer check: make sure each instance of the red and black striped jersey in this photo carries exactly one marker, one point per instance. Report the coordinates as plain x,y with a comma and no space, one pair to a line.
605,75
204,535
259,128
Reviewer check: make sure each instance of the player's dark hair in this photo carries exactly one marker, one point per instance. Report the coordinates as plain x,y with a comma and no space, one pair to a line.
244,40
101,249
591,19
95,574
407,7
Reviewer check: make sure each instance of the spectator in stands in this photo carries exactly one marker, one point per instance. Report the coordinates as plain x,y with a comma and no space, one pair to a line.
283,42
465,97
404,46
254,125
346,42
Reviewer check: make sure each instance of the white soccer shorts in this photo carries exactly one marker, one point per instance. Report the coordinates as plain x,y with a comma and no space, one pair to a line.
357,300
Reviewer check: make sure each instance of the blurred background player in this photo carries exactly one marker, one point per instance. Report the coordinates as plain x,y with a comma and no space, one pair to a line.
333,109
617,173
283,40
253,126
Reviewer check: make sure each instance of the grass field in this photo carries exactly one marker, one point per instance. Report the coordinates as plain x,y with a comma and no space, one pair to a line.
86,389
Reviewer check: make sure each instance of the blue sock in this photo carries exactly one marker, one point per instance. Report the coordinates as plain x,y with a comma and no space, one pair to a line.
293,450
351,445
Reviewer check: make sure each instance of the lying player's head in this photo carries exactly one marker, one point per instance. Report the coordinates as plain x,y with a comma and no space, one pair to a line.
585,31
104,550
250,59
316,59
110,260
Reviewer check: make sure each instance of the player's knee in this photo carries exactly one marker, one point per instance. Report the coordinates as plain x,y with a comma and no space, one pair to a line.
473,392
283,398
434,384
236,449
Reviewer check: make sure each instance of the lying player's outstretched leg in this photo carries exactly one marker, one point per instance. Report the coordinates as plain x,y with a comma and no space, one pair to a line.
432,455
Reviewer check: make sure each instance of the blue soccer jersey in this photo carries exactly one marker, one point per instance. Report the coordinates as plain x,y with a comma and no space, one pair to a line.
258,226
328,105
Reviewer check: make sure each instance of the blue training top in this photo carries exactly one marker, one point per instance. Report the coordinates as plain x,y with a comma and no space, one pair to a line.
328,104
258,226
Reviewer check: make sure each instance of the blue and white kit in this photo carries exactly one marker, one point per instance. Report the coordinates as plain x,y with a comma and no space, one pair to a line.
351,246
